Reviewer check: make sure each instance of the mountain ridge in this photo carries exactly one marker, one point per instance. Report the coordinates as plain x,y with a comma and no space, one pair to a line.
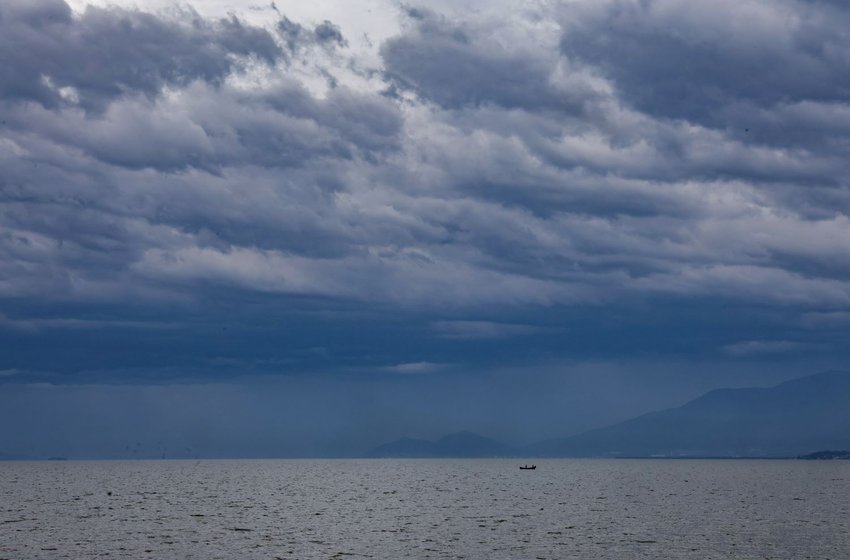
790,419
463,444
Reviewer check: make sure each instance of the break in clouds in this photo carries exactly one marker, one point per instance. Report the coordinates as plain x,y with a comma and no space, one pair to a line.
165,171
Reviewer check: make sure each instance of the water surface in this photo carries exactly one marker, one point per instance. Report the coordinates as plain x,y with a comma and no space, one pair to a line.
475,509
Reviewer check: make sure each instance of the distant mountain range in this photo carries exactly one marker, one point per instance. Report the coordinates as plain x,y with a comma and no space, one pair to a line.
458,445
791,419
794,418
826,456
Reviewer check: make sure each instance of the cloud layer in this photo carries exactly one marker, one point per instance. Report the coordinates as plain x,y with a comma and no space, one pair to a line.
493,178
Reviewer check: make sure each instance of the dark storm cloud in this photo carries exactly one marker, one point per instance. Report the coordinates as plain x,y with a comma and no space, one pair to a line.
329,34
295,36
457,67
724,64
593,179
106,53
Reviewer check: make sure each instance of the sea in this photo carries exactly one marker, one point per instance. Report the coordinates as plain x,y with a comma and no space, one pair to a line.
391,509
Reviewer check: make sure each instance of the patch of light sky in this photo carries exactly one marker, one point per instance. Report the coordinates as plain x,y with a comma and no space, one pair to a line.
365,25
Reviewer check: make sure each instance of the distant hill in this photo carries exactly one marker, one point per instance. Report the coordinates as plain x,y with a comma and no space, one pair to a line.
788,420
407,448
458,445
826,455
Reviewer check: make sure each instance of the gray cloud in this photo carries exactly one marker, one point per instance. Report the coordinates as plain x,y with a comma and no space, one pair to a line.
455,67
296,36
580,157
56,58
749,348
329,34
473,330
743,67
414,368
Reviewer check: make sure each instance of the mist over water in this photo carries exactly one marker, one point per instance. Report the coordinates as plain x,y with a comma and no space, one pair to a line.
475,509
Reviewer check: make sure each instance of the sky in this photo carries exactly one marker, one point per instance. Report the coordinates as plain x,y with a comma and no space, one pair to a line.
290,229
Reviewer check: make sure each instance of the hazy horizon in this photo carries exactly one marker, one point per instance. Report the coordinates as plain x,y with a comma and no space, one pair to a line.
198,435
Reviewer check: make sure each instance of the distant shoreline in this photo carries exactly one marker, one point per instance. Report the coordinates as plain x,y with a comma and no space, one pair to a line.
629,458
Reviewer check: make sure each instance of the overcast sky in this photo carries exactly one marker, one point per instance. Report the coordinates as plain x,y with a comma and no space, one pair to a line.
237,228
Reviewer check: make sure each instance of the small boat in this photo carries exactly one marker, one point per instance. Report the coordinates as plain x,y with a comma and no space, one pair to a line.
527,468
